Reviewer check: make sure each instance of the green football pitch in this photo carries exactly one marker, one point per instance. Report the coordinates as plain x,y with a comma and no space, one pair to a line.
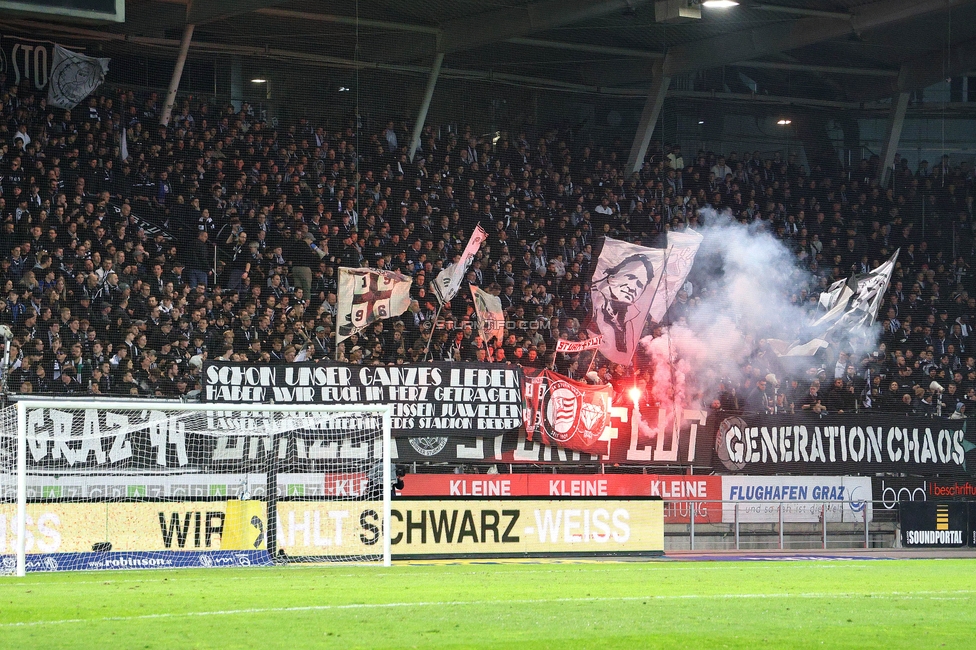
669,604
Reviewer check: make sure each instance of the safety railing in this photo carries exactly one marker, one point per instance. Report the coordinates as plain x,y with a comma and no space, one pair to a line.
697,524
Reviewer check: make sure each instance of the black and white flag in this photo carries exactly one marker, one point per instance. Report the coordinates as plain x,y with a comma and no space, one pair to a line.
625,282
448,281
870,290
73,77
861,298
367,296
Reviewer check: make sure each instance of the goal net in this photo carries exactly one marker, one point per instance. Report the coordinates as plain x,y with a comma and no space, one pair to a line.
153,484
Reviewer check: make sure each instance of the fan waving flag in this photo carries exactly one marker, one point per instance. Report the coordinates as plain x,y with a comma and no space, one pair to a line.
73,77
491,316
367,296
448,281
624,285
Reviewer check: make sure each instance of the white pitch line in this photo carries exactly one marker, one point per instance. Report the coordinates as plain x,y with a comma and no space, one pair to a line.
629,566
894,595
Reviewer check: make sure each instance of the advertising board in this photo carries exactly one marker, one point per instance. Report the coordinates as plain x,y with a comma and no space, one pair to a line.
934,525
137,527
760,498
427,528
678,491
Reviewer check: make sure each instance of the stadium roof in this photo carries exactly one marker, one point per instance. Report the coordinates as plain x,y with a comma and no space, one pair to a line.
820,50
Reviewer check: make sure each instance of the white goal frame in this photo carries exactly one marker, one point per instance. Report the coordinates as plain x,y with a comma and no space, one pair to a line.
25,403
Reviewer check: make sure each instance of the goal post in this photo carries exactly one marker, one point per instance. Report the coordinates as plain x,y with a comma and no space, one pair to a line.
153,483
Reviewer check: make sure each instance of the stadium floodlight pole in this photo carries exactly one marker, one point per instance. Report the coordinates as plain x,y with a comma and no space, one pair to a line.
174,82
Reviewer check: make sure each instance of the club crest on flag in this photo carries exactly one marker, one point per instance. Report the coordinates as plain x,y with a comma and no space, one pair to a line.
562,412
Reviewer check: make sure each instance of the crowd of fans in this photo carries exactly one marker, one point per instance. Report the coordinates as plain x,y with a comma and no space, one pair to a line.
219,237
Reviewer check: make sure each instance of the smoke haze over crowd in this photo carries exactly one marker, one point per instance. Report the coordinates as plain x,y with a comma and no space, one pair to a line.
747,287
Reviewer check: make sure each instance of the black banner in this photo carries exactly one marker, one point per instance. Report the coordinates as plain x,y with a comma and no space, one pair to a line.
431,399
630,440
25,59
215,442
840,445
934,524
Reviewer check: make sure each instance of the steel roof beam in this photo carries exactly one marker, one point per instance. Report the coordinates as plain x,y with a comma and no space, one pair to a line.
921,72
800,67
798,11
349,20
587,47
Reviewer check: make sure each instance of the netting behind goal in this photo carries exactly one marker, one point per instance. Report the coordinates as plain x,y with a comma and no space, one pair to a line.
151,484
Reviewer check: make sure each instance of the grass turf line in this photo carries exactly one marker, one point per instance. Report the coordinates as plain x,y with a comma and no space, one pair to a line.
892,604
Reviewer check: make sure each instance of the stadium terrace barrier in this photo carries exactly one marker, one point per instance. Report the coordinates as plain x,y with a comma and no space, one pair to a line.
821,525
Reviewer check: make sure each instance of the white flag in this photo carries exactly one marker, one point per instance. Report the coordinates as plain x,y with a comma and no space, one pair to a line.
830,297
73,77
124,149
367,296
624,284
491,316
784,349
682,248
838,303
448,281
869,293
858,301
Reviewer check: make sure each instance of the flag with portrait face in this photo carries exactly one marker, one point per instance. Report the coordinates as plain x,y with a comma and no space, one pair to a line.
624,285
73,77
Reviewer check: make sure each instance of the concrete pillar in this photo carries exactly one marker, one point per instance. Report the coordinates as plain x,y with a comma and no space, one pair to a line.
418,126
899,106
236,81
174,82
648,118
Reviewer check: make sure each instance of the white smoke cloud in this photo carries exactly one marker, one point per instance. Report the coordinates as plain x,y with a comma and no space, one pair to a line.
747,285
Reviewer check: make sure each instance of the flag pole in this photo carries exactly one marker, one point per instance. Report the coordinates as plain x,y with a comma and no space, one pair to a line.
433,326
592,359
